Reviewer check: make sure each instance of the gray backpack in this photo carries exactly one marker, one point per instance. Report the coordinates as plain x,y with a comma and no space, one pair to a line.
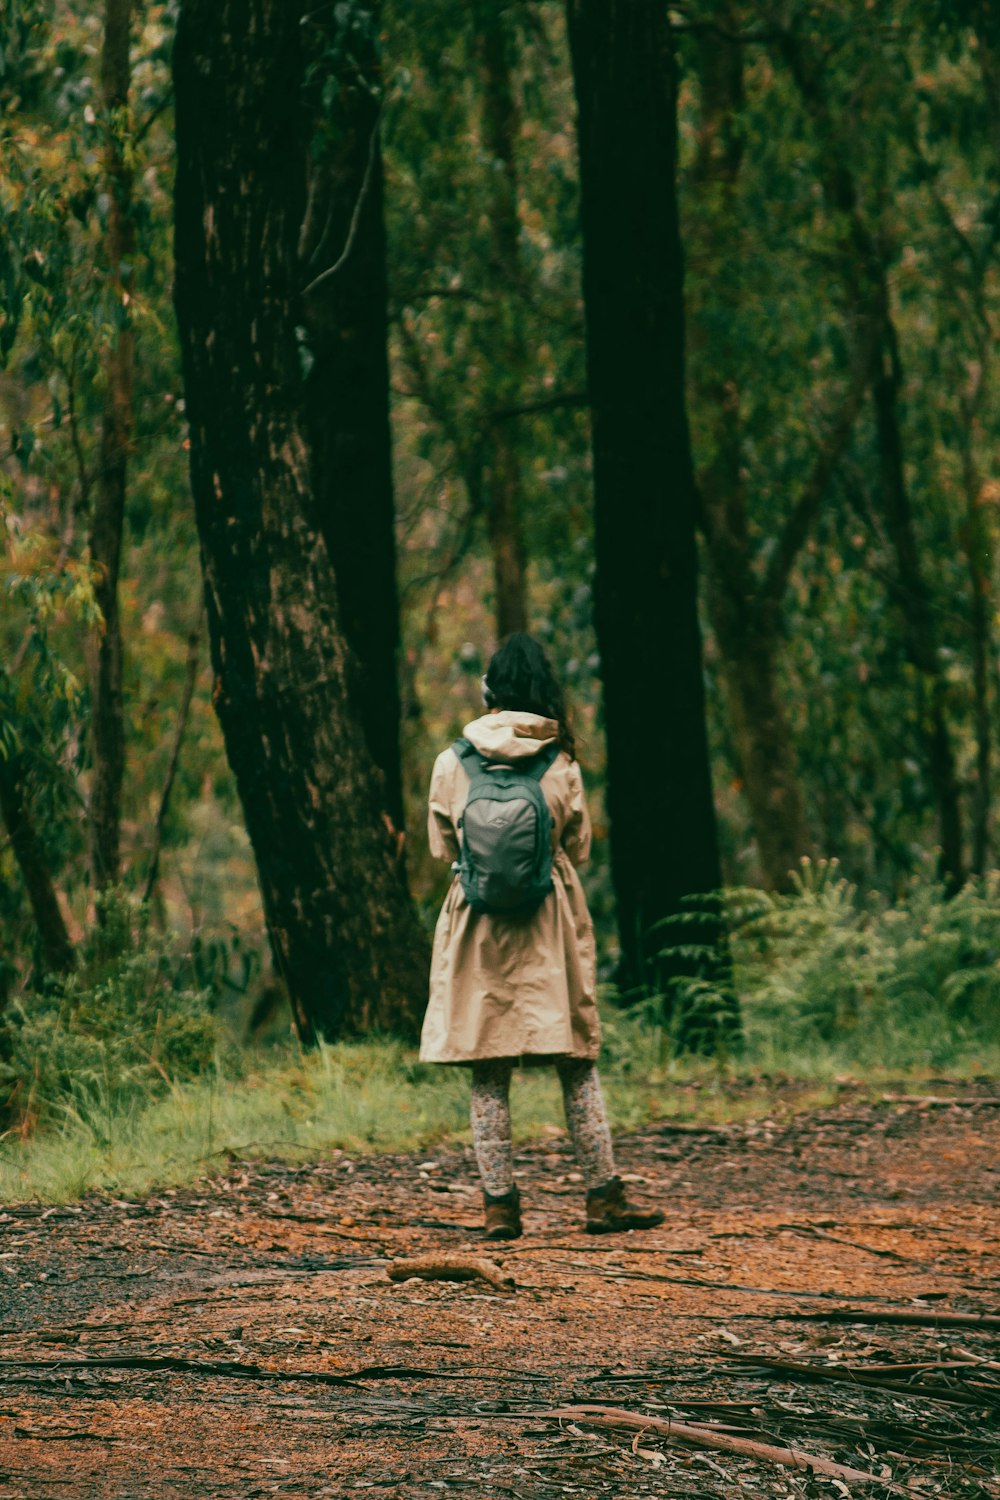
505,864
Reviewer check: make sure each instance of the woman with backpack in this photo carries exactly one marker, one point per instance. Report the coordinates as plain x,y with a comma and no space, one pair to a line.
513,971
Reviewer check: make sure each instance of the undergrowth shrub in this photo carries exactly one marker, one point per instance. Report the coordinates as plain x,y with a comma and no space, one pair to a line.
865,982
122,1028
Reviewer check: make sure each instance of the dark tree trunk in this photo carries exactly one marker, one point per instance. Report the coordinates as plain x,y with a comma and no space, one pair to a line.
344,933
976,546
107,711
762,739
984,17
187,693
913,597
659,793
503,468
503,520
342,249
54,946
746,629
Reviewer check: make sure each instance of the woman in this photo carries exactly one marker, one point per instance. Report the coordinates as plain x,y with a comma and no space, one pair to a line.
505,987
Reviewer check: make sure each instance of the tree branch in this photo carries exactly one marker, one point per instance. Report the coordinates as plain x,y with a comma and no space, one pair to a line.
187,693
543,403
352,232
809,503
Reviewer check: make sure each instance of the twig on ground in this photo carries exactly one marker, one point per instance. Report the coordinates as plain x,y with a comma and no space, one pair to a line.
966,1356
902,1318
838,1239
54,1435
860,1375
232,1368
941,1101
721,1442
450,1268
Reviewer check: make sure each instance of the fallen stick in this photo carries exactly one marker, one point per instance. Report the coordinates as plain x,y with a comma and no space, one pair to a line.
245,1370
903,1319
860,1375
839,1239
450,1268
967,1357
941,1101
704,1437
232,1368
542,1246
967,1362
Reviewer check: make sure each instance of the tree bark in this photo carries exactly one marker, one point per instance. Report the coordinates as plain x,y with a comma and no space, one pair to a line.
913,598
54,945
867,287
187,693
659,792
506,534
746,627
344,933
762,738
976,544
503,480
107,712
984,17
342,249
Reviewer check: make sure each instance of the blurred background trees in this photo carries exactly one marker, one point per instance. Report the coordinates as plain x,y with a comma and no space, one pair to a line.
838,201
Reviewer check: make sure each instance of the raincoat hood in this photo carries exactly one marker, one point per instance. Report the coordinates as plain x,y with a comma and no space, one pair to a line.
511,735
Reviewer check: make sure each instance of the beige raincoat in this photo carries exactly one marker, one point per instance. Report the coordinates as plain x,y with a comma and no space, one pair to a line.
512,986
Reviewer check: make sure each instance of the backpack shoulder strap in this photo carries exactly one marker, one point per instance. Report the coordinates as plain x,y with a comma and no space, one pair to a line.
468,755
541,762
534,769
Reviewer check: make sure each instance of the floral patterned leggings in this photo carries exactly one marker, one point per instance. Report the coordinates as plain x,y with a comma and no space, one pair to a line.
585,1118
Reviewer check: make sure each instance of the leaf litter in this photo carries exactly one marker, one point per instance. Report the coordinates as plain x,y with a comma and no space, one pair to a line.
835,1329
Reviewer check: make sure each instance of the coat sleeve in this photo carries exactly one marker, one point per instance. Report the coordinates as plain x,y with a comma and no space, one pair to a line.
576,833
441,833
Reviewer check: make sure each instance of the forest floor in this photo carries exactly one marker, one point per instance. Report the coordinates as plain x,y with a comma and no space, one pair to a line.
243,1339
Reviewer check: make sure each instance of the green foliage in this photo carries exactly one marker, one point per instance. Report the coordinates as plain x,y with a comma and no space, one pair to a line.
57,317
120,1030
358,1097
822,974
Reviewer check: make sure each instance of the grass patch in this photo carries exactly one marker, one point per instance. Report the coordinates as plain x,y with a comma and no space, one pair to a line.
376,1097
838,993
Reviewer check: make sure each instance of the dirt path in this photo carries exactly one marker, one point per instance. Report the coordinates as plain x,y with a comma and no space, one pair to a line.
195,1344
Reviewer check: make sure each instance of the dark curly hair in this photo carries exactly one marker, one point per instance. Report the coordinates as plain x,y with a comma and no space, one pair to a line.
519,677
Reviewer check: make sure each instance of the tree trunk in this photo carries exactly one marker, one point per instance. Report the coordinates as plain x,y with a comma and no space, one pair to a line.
342,249
763,743
984,17
746,629
344,933
914,602
659,793
107,711
867,286
503,521
503,467
976,544
54,944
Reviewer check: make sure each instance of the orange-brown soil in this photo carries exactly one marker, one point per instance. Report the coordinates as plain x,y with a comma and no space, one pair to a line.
243,1338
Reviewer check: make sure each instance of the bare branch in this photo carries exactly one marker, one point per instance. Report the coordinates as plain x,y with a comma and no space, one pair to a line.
543,403
187,693
809,503
352,232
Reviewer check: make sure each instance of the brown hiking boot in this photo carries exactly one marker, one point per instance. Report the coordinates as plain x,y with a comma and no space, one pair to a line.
609,1211
503,1215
